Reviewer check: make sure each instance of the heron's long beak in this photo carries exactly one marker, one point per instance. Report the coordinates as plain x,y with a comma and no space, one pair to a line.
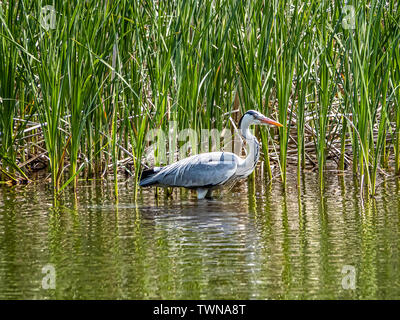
271,122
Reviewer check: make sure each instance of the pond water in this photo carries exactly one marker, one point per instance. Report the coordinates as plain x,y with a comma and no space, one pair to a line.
253,242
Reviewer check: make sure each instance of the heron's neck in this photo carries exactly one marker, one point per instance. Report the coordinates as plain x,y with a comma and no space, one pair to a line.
253,153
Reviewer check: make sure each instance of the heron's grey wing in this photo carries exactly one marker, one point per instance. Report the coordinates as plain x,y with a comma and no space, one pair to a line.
203,170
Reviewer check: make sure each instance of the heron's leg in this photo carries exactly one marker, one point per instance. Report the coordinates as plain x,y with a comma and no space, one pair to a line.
201,193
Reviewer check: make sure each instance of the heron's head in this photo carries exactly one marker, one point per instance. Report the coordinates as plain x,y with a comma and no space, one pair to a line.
255,117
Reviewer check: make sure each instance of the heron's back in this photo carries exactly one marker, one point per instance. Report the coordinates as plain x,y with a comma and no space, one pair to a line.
202,170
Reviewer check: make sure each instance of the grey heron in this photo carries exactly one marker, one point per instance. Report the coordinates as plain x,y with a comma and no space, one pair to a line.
207,171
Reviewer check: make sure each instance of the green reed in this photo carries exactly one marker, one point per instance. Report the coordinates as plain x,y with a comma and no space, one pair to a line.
304,67
369,88
324,89
286,40
255,61
395,87
106,73
12,95
8,93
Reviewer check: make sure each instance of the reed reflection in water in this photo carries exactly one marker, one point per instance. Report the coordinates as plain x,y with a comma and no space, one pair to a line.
256,241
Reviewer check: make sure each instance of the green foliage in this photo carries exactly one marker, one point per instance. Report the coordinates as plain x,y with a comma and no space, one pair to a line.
107,72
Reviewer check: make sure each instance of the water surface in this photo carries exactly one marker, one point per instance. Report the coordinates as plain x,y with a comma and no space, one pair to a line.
255,242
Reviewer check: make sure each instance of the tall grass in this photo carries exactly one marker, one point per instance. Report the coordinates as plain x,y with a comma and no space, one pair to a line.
9,85
395,89
287,34
255,61
84,92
